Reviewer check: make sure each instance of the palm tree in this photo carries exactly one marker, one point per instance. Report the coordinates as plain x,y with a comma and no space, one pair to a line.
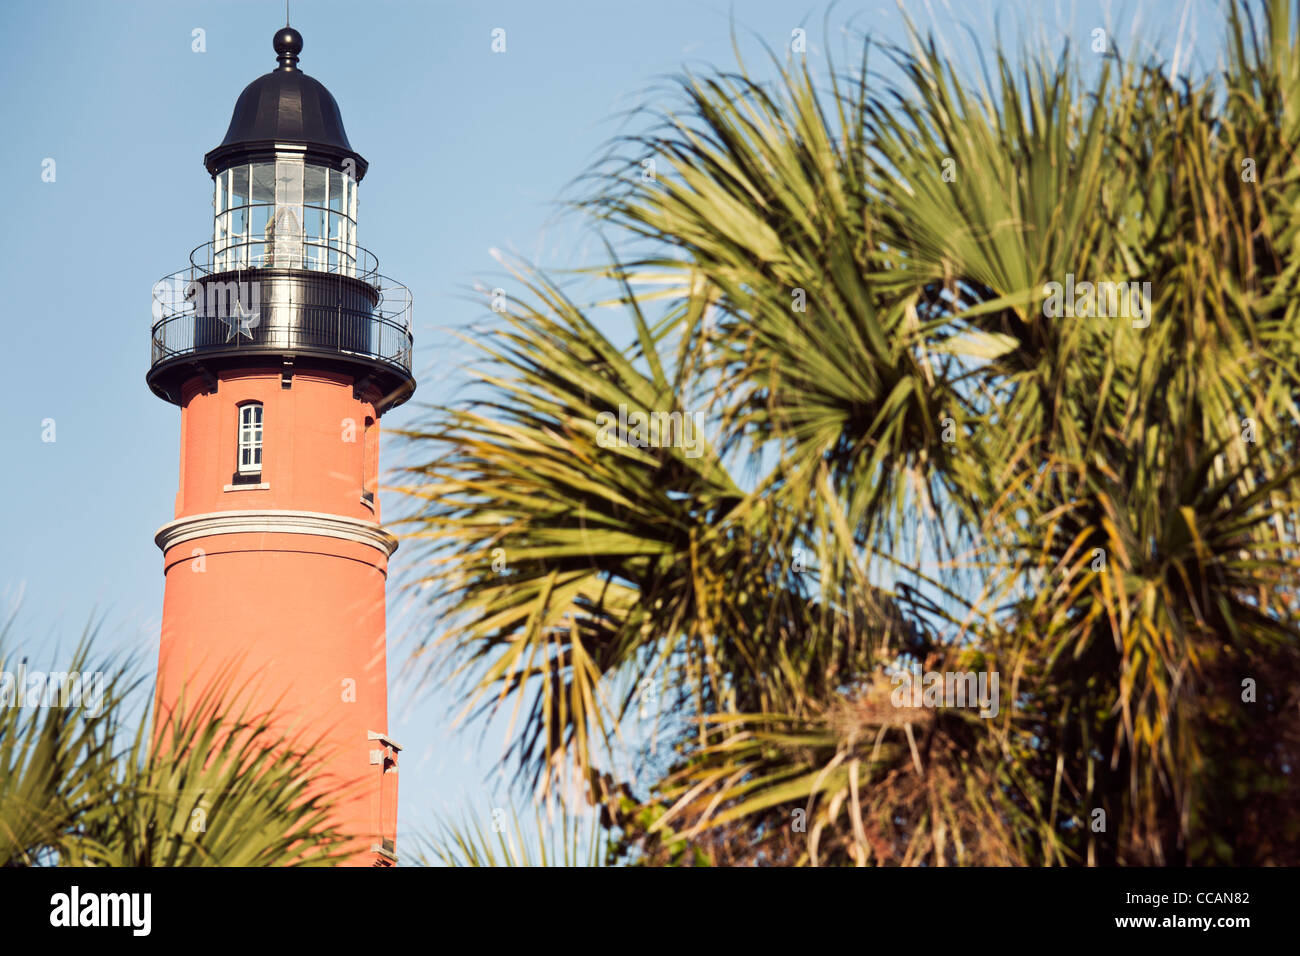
508,839
216,786
918,455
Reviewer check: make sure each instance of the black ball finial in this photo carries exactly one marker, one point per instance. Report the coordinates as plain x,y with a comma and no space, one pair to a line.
288,44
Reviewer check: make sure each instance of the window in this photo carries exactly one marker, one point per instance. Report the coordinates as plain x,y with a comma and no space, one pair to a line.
250,438
370,462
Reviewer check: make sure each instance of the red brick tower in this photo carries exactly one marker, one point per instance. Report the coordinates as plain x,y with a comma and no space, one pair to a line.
283,347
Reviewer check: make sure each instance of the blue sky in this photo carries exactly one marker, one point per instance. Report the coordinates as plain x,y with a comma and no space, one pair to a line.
468,150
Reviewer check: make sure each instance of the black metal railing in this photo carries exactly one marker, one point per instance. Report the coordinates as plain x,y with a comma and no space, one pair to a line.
286,252
278,308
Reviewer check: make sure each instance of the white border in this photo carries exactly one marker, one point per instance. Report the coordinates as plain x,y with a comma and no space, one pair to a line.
275,522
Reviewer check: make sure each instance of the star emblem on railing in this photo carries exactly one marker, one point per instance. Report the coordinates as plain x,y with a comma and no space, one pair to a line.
241,322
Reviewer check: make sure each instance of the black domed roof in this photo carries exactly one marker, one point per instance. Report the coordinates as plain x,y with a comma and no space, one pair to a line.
285,106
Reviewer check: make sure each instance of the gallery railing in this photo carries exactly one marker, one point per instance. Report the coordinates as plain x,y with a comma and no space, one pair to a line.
274,307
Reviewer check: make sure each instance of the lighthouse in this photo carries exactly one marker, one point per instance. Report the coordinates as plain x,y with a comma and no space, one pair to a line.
283,346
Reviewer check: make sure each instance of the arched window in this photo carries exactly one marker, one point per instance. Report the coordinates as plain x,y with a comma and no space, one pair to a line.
250,438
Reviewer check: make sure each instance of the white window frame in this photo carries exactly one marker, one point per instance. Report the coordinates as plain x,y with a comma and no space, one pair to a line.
221,220
352,226
251,419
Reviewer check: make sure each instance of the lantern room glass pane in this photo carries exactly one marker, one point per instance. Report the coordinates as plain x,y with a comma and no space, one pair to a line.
238,187
259,216
352,208
220,220
264,182
314,182
288,182
352,226
286,225
336,190
315,195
